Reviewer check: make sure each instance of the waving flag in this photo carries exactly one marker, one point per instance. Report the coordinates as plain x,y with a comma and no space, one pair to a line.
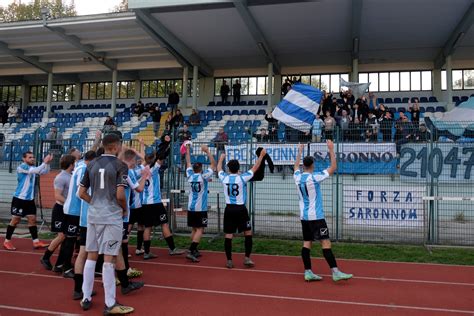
299,107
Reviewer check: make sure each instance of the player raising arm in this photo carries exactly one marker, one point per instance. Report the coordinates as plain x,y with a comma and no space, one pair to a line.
236,215
312,214
197,205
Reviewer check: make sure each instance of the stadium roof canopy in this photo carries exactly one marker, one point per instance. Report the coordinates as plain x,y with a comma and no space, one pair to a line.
233,34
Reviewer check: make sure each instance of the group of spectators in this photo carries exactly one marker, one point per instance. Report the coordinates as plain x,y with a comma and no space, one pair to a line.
225,90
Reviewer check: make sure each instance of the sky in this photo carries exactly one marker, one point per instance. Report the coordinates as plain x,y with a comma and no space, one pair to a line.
83,7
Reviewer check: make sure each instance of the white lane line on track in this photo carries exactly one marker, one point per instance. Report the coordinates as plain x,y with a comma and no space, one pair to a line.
277,297
196,266
37,311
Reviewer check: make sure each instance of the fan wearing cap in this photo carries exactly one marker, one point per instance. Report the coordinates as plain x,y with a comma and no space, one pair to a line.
197,206
312,214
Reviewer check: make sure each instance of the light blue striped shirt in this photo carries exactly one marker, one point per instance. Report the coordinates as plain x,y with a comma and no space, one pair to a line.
309,190
199,187
26,176
152,191
235,187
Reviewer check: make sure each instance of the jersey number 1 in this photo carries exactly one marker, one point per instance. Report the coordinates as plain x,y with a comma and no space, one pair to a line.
102,178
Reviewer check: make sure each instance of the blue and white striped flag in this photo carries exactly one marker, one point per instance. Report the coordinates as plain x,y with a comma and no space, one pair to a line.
299,107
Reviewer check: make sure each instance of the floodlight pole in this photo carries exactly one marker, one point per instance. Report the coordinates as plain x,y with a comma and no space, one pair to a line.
49,94
185,86
195,84
114,92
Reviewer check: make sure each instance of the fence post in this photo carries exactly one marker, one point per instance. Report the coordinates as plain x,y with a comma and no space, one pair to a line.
251,188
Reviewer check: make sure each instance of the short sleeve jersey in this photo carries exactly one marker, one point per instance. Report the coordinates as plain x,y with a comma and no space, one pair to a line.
103,176
136,197
26,176
309,190
132,185
235,187
61,182
152,191
73,203
199,187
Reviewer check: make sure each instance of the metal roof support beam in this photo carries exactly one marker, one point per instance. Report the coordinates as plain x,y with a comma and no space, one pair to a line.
32,60
257,34
164,37
455,38
88,49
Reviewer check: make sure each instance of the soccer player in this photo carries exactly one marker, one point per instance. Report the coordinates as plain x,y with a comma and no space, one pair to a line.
106,176
61,191
154,212
136,186
75,204
236,215
23,202
312,213
197,205
136,211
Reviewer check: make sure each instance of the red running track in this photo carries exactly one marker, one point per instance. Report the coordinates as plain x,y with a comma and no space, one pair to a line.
275,286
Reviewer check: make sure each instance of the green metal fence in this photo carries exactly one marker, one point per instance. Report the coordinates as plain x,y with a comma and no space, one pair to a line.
396,192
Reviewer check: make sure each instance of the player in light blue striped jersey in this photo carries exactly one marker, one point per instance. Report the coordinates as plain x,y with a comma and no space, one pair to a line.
312,214
197,205
23,203
236,215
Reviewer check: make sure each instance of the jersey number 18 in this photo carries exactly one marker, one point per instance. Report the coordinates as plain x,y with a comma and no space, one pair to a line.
233,189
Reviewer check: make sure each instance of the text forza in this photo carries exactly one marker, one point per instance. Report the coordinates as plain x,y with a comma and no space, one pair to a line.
356,156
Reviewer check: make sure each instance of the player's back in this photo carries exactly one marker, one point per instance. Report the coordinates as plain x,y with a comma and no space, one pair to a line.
199,187
309,190
235,187
105,174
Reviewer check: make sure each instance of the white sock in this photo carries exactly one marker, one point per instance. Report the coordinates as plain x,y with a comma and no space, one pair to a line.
335,270
108,278
88,282
35,240
309,270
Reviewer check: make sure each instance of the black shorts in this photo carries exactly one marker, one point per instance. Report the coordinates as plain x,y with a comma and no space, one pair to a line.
71,225
125,231
82,236
22,208
236,218
154,215
57,219
315,230
136,216
197,219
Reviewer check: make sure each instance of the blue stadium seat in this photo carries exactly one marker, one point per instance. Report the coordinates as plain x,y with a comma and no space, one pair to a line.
405,100
397,100
227,112
379,100
253,112
219,103
72,107
402,109
244,112
388,100
422,109
251,103
259,102
464,98
430,109
243,102
432,99
265,102
423,99
456,99
235,112
440,109
212,103
261,112
218,113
